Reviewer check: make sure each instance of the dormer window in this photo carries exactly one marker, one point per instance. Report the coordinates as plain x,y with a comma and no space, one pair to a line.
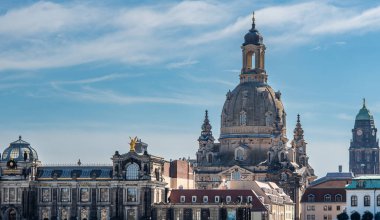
311,198
217,199
205,199
182,199
327,198
228,199
193,199
236,175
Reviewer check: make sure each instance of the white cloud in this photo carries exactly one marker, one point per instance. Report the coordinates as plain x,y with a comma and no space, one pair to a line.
57,35
108,96
180,64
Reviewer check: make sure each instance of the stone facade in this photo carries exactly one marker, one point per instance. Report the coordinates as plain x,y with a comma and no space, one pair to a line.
124,190
253,143
364,148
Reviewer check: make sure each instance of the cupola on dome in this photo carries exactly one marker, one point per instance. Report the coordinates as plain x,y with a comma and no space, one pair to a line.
253,36
19,151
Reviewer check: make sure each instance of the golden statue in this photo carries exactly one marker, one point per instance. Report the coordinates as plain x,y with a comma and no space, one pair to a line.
132,144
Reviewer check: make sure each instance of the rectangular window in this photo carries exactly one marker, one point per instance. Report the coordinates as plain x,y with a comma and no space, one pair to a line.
12,195
329,207
131,195
249,199
228,199
354,201
65,195
104,194
45,194
367,201
6,195
325,208
324,217
131,214
338,207
193,199
182,199
217,199
205,199
19,194
378,200
84,194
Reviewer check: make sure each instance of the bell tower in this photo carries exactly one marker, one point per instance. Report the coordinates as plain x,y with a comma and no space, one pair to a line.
253,51
364,148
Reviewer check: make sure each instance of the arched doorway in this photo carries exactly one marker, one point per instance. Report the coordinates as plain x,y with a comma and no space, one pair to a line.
12,214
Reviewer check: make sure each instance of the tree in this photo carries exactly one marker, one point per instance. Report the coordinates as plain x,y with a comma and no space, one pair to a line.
342,216
367,215
355,216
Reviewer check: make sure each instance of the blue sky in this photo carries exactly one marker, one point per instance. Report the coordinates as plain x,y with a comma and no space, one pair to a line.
78,78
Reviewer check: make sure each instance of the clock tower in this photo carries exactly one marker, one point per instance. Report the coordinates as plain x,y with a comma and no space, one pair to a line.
364,148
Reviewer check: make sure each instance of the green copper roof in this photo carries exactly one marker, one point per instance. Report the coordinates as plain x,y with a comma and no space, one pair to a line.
365,182
364,113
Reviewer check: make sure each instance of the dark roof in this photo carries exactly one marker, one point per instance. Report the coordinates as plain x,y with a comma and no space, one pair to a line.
333,176
175,196
74,172
17,149
320,193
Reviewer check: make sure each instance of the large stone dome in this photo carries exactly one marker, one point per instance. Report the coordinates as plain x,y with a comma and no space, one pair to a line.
252,109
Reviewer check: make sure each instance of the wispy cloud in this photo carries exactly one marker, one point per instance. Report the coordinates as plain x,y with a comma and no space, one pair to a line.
184,63
96,79
207,80
88,93
79,33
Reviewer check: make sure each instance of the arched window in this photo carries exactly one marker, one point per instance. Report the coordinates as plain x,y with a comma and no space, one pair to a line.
338,198
311,198
354,201
282,156
132,171
239,154
367,200
235,175
243,118
327,198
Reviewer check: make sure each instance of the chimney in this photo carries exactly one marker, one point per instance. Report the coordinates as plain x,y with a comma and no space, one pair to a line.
340,168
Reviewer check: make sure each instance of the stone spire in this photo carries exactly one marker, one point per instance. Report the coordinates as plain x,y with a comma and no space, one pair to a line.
298,131
206,133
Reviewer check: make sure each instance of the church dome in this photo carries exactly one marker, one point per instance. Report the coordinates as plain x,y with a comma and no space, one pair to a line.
17,149
249,106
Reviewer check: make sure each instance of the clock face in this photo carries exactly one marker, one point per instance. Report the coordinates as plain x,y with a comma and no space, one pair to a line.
359,132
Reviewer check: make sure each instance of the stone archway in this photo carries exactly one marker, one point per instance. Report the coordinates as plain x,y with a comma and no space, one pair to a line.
12,214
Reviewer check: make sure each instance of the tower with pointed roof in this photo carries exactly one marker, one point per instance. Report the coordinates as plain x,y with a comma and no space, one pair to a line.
364,148
206,152
299,145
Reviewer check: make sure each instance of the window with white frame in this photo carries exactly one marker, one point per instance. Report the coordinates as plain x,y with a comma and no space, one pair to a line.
217,199
236,175
327,198
228,199
338,198
205,199
249,199
194,199
239,154
182,199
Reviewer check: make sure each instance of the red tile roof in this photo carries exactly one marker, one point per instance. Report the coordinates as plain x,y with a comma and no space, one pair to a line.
175,196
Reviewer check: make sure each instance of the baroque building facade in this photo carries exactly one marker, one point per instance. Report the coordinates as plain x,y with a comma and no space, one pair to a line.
124,190
253,143
364,148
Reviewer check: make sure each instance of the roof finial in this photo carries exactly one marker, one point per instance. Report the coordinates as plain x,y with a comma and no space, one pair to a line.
298,118
253,20
364,103
206,115
19,137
